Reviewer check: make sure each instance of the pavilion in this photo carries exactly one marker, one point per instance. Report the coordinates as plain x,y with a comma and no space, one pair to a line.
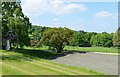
7,40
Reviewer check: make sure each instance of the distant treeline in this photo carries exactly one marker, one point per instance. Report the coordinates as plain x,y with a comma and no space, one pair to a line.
80,38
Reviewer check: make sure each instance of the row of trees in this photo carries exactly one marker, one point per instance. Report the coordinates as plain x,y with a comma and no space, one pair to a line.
88,39
80,38
14,20
102,39
59,37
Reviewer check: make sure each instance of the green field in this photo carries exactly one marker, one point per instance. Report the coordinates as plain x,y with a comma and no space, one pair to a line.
34,62
86,49
93,49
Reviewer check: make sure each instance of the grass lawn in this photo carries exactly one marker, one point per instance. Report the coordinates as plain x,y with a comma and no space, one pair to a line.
34,62
86,49
93,49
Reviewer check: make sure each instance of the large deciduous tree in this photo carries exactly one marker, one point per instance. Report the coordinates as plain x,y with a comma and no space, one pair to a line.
57,38
116,38
14,20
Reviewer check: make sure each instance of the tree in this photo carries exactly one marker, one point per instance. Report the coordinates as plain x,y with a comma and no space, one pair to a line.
57,37
77,39
107,39
14,20
87,38
0,26
74,40
35,33
82,39
116,38
102,39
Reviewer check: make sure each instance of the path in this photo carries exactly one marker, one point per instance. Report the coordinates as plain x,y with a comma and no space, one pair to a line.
99,62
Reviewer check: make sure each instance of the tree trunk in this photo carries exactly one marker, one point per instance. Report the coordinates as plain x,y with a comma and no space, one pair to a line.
17,44
59,49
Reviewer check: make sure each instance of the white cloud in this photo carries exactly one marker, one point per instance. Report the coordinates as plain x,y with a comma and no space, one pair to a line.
103,14
38,7
81,7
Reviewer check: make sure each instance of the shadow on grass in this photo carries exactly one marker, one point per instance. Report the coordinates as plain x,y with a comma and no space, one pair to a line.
28,54
15,58
65,53
35,53
25,54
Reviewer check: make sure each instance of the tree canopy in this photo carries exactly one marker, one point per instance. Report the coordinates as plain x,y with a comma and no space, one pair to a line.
102,39
35,34
57,37
14,20
116,38
82,39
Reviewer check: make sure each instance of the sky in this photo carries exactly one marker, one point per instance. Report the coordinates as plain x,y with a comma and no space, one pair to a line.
89,16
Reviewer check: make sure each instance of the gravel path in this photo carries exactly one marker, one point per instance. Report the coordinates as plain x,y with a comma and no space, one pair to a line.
107,64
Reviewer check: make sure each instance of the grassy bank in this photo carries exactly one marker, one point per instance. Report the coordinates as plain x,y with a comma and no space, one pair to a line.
24,62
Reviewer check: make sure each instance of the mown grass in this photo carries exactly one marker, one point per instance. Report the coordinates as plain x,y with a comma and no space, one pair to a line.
93,49
32,62
86,49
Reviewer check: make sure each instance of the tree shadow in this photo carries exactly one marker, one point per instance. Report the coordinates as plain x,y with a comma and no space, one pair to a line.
15,58
65,53
35,53
28,54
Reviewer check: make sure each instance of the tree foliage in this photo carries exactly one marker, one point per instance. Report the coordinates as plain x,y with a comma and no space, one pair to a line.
81,39
77,40
102,39
87,39
57,38
14,20
116,38
35,34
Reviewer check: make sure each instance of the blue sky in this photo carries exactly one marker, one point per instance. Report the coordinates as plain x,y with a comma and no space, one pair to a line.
87,16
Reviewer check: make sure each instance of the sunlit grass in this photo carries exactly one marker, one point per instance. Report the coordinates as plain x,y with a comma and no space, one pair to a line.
93,49
86,49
